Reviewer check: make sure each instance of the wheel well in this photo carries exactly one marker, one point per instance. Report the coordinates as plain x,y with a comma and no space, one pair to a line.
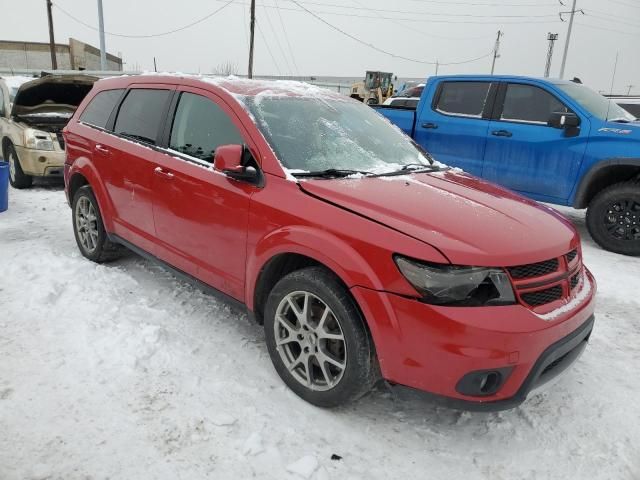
276,268
77,181
603,178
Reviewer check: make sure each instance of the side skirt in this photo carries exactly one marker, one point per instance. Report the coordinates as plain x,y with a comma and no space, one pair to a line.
199,284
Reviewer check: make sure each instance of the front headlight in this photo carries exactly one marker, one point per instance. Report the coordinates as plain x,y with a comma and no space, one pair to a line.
456,285
37,139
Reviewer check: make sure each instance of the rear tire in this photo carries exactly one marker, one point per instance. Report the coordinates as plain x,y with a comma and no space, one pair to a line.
17,177
613,218
323,353
88,228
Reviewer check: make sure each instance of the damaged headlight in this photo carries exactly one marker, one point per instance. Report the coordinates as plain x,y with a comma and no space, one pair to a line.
37,139
457,285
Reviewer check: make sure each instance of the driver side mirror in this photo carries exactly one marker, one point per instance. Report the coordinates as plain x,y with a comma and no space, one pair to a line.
228,160
563,120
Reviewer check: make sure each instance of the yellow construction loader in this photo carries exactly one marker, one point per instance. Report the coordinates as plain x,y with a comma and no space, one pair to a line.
375,89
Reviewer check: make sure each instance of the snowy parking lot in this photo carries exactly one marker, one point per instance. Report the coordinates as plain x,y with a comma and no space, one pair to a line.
122,371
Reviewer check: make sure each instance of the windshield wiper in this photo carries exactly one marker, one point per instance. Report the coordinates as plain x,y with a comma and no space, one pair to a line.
620,120
412,168
330,173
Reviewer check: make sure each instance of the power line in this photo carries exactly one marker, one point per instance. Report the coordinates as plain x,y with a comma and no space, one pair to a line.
604,29
373,47
484,4
286,37
264,40
611,20
423,33
413,19
161,34
430,14
625,3
275,35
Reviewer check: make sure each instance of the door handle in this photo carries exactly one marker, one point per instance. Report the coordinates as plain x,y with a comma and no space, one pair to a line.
430,125
163,173
501,133
101,149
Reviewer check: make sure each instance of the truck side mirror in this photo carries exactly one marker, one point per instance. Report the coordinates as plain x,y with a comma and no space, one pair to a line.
563,120
228,160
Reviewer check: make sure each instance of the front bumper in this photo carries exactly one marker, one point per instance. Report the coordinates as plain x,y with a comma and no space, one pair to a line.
41,163
432,348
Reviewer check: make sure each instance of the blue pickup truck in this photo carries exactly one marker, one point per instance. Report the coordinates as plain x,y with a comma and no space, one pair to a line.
552,140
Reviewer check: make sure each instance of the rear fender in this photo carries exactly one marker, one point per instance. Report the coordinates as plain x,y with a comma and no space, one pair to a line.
84,167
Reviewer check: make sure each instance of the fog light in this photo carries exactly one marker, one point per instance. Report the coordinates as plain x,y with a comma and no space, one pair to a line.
483,383
42,159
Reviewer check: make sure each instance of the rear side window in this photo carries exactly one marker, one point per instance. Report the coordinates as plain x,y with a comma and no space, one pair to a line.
99,110
526,103
465,99
141,114
632,108
200,126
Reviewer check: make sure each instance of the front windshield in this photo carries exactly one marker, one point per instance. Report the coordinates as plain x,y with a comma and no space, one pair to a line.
314,134
599,106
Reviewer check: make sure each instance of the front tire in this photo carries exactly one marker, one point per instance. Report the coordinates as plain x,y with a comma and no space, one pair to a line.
17,177
88,228
613,218
317,339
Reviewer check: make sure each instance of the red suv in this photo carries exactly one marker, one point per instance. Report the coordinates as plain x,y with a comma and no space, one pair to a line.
363,257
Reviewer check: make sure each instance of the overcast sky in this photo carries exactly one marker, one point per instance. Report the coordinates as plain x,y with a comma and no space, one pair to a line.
292,41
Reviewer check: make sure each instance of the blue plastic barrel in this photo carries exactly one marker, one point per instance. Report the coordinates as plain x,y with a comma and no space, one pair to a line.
4,186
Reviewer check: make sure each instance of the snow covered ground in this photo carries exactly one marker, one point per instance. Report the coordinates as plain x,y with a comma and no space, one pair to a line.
121,371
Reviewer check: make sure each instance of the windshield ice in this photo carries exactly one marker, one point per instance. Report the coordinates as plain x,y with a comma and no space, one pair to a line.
318,133
598,105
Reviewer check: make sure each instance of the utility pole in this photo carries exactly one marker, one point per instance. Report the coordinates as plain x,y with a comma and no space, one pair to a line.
496,50
103,51
566,43
252,25
52,41
552,37
629,87
437,66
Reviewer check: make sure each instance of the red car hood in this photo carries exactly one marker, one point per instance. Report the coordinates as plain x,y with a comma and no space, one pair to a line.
470,221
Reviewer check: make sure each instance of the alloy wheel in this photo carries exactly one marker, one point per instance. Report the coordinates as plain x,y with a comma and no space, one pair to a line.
87,224
622,220
310,341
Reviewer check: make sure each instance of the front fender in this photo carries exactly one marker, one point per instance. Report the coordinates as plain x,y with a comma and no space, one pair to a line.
320,245
598,169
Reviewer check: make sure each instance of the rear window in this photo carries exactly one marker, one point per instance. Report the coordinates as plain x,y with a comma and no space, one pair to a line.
141,114
99,110
465,99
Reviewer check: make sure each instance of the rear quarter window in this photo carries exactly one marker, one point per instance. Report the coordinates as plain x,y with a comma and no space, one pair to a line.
464,99
100,107
141,114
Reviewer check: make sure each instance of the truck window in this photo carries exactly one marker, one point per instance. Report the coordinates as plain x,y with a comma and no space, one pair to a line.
200,126
100,107
465,99
141,114
527,103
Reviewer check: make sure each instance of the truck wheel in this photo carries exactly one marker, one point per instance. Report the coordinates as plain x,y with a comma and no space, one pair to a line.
17,177
317,340
88,228
613,218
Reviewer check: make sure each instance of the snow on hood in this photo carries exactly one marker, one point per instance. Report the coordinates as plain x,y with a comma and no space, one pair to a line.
471,221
